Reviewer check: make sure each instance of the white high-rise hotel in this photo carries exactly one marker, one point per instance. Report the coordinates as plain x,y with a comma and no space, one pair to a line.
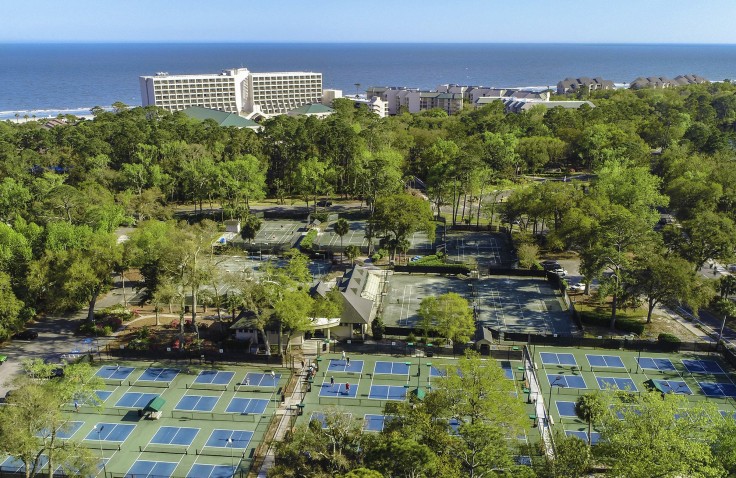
235,91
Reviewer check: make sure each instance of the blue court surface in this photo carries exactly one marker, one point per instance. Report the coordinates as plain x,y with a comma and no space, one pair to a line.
356,366
200,470
387,392
110,432
661,364
566,409
261,379
435,372
726,414
198,403
613,383
391,368
713,389
508,370
702,366
144,468
64,432
239,438
15,465
566,381
135,399
320,417
112,372
454,425
595,437
550,358
611,361
103,395
214,377
159,375
338,390
374,423
174,436
246,406
673,386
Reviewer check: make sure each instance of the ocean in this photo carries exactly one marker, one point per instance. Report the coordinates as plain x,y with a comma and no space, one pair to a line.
46,79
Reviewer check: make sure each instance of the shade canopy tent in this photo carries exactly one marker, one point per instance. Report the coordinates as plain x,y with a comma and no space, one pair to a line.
155,405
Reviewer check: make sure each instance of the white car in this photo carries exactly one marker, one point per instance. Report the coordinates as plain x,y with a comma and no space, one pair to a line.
560,272
579,287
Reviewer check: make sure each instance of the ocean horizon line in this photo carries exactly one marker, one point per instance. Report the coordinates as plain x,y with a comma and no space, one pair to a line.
348,43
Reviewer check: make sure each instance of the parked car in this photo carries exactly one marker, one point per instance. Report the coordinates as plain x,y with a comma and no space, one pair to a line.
415,258
550,265
324,203
26,335
560,272
579,287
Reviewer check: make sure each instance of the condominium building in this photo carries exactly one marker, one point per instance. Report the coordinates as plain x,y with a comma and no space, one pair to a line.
234,91
278,93
223,91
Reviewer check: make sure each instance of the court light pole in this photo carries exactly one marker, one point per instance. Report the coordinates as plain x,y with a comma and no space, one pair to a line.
273,393
551,387
232,459
102,455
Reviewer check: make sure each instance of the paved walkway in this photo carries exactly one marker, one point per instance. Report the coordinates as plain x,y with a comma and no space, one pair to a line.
309,351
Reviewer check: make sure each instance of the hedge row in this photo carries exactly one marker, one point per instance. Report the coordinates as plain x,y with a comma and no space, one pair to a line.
623,324
308,240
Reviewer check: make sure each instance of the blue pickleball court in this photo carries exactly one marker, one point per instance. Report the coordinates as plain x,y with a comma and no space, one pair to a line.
714,389
615,383
551,358
566,409
197,403
219,439
661,364
254,379
356,366
135,399
145,468
338,390
391,368
374,423
200,470
159,375
608,361
174,436
508,370
703,366
64,432
673,386
387,392
113,372
247,406
594,437
726,414
214,377
117,432
566,381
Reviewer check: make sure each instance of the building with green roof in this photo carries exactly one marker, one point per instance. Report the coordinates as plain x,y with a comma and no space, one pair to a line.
222,118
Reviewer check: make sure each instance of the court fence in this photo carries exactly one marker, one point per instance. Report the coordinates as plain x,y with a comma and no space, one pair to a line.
206,354
402,348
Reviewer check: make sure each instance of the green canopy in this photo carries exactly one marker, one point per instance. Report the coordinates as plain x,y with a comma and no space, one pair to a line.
419,393
155,405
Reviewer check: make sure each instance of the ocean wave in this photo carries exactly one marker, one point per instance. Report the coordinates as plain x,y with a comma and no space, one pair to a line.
50,112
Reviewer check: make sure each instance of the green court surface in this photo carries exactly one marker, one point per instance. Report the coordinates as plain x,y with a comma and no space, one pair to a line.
211,422
376,380
566,373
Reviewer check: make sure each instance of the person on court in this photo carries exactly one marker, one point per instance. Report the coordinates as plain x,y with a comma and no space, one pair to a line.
332,382
347,361
347,388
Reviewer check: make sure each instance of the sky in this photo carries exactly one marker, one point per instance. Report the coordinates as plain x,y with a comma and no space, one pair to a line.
348,21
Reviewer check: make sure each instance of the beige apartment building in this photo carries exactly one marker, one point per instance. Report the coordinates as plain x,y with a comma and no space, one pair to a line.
234,91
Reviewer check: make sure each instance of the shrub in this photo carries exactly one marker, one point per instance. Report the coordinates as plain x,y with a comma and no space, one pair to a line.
668,338
527,254
307,242
602,319
411,337
378,328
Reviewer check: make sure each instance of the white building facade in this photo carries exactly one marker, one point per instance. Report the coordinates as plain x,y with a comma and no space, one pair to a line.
235,91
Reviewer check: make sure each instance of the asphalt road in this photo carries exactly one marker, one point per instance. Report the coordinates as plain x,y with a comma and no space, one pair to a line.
55,338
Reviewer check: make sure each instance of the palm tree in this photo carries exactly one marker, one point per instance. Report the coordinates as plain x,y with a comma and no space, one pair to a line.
342,227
